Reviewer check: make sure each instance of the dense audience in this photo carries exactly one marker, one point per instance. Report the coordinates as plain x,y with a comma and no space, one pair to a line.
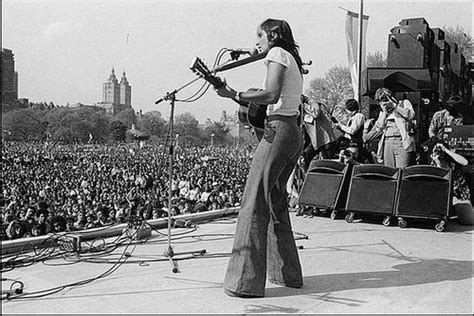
57,188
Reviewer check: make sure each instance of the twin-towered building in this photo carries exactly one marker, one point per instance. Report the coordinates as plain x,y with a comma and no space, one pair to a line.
116,96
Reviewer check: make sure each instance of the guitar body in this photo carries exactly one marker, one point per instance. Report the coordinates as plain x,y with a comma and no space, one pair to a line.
253,115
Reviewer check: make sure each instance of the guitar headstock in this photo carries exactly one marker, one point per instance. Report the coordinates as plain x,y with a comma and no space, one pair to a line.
200,68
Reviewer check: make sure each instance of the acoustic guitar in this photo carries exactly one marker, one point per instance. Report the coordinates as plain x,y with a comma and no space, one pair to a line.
250,114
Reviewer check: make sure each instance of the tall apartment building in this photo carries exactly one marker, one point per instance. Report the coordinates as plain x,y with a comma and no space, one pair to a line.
9,77
125,91
116,96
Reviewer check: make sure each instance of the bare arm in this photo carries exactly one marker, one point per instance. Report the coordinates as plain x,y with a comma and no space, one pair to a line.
269,95
456,157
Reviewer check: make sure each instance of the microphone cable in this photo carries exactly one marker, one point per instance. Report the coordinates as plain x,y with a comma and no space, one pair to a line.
206,85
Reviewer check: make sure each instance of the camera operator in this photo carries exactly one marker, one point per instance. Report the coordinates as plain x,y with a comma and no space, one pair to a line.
444,158
396,147
449,116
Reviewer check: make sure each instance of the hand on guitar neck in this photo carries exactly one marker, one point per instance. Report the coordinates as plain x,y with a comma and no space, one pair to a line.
250,114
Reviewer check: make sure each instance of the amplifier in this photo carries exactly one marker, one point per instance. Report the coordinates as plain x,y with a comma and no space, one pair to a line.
460,138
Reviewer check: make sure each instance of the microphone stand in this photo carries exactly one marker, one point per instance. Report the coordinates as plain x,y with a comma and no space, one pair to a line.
169,251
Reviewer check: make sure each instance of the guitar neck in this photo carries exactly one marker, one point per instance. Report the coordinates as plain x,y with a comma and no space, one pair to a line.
241,103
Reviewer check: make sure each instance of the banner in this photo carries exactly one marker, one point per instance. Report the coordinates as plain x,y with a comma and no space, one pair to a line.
352,41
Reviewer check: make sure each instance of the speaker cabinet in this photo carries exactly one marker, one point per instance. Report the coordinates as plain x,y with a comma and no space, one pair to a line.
458,62
410,44
425,193
326,185
406,51
373,189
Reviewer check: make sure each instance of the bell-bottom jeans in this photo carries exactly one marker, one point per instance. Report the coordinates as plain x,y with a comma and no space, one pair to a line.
264,241
395,155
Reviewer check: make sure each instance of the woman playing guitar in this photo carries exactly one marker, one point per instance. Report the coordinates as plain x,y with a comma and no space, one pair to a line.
263,216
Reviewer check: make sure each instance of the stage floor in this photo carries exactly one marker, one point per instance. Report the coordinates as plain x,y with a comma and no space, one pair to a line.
362,267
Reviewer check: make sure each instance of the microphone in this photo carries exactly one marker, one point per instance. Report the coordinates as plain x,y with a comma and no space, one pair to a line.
236,52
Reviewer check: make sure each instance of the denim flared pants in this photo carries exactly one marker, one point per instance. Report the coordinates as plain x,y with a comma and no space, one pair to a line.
395,155
264,241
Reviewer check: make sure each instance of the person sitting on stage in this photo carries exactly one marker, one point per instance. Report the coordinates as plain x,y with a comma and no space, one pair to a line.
443,157
449,116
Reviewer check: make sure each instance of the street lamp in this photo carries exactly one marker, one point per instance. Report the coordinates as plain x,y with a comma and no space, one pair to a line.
212,140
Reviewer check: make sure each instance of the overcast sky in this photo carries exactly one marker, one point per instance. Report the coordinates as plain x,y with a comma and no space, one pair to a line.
65,50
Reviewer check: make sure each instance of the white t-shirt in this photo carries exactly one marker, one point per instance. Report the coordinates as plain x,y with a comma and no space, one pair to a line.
292,88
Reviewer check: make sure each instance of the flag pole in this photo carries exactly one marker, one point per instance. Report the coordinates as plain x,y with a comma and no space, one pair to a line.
361,21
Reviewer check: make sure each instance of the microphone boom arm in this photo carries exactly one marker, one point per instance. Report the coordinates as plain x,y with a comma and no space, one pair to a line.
238,63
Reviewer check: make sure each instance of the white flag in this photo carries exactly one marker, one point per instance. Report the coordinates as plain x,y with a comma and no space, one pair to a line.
352,41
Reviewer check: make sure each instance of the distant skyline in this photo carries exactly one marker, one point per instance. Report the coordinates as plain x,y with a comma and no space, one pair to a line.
65,50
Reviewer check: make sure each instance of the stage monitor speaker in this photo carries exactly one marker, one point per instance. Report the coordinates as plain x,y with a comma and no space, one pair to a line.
425,193
373,189
326,184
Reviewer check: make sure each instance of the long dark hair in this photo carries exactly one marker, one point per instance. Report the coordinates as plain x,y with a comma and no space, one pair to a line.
279,32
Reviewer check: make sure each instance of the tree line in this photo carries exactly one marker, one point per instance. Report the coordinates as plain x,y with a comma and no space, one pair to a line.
49,122
93,124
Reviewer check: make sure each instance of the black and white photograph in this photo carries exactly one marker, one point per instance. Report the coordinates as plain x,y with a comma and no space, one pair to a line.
237,157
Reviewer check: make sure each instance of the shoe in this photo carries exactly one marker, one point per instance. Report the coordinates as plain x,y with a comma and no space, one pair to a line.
241,295
296,286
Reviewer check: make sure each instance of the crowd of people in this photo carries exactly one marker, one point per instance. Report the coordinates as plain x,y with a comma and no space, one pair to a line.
56,188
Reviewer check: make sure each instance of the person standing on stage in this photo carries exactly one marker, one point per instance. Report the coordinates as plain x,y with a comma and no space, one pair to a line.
354,127
449,116
397,146
264,241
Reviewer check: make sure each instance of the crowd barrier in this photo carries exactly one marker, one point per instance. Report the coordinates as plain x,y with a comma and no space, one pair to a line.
24,244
